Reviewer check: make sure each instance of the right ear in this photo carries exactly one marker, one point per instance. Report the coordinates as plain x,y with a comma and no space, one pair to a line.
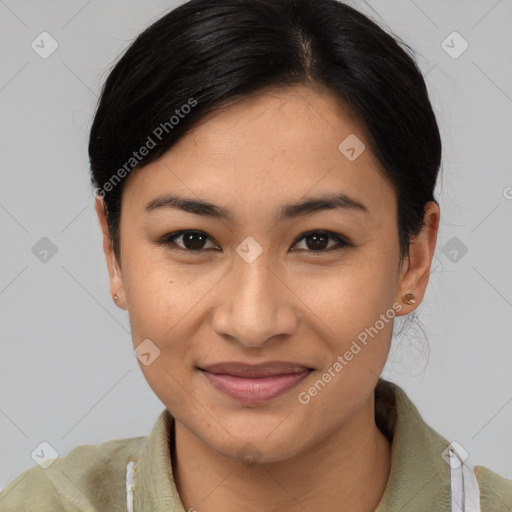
114,269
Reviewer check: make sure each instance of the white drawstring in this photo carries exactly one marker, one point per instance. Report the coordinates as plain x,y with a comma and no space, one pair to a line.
464,485
130,475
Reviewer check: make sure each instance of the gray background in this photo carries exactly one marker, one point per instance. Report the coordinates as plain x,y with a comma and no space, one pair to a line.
68,375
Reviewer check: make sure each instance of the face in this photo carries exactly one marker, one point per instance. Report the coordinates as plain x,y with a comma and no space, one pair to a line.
311,286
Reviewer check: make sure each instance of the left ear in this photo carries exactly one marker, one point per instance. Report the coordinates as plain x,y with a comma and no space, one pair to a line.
416,268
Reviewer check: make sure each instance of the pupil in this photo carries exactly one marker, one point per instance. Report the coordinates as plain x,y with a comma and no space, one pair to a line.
316,245
190,243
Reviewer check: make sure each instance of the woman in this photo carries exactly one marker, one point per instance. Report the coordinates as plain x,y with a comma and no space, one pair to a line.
264,174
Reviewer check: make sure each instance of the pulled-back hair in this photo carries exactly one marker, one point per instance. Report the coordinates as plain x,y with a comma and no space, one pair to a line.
207,54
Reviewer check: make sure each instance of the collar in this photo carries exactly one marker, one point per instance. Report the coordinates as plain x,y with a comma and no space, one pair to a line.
154,487
419,478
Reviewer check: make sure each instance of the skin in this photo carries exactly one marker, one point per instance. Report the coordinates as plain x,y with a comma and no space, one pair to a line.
291,304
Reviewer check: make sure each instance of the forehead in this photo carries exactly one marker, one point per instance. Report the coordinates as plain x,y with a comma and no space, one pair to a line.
282,144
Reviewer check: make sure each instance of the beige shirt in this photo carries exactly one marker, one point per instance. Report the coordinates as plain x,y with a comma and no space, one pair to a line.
136,474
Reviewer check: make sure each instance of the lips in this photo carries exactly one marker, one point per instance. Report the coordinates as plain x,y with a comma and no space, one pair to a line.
255,383
257,370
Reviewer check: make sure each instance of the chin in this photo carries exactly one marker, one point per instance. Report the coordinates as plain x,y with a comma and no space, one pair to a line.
256,448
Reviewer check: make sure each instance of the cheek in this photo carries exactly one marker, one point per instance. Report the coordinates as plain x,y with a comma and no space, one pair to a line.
355,306
161,300
355,294
158,294
166,306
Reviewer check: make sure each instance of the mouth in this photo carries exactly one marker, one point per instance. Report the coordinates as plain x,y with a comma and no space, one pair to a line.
255,384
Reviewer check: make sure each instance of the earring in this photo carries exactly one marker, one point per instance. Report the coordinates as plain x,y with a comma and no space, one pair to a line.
116,297
409,298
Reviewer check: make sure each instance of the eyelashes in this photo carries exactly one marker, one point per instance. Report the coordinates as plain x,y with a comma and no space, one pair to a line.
195,238
341,242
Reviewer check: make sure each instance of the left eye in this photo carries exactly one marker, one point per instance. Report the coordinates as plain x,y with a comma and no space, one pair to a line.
193,241
315,240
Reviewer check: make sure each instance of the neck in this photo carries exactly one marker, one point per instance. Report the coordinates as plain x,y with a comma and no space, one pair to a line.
346,471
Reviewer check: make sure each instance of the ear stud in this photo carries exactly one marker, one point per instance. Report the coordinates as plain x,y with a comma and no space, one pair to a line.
409,298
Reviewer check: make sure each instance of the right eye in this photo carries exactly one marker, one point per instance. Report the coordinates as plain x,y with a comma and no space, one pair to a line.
193,241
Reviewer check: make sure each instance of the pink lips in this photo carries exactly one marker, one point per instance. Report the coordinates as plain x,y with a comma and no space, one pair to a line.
255,383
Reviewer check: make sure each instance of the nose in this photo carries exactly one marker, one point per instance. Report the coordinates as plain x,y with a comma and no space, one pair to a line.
255,304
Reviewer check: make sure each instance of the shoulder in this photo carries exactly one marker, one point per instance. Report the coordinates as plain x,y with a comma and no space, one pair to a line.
495,490
90,478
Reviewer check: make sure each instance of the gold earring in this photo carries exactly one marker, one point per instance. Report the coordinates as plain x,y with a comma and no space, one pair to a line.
409,298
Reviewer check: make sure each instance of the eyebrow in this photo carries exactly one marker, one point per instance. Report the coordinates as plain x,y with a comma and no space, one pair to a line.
310,205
